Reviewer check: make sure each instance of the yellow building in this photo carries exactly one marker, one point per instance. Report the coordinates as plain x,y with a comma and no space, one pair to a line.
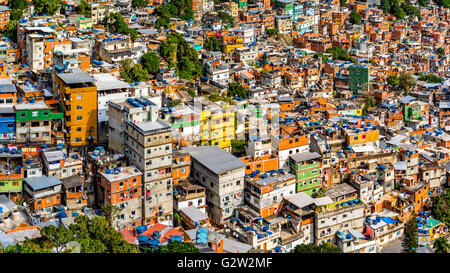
360,136
218,125
78,94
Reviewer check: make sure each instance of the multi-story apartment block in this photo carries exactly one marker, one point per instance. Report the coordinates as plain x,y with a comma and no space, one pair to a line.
78,95
133,109
122,187
149,148
35,121
307,168
222,174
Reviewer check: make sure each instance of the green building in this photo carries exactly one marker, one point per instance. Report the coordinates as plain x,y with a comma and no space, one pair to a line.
242,3
11,171
34,120
358,76
307,168
287,6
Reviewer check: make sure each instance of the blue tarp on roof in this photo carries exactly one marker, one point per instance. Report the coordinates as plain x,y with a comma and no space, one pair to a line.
388,220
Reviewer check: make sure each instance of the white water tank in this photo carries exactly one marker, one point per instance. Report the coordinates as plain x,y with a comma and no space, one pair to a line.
16,215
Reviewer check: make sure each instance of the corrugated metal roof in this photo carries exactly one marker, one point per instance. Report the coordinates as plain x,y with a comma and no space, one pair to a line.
215,159
42,182
76,77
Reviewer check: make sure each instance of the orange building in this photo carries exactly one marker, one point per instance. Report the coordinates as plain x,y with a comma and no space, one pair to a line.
4,16
42,192
181,166
260,164
122,187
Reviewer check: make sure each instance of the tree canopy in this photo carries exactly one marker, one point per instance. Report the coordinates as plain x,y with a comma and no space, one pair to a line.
47,7
139,3
84,8
119,25
175,247
94,235
410,242
17,7
340,54
238,147
355,18
325,247
406,81
151,62
441,245
213,44
227,19
187,63
324,57
181,9
440,208
393,80
430,78
132,72
237,90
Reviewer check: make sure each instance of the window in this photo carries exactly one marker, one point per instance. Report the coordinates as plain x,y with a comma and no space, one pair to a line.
238,182
45,113
79,97
46,123
78,129
79,107
22,115
79,117
34,114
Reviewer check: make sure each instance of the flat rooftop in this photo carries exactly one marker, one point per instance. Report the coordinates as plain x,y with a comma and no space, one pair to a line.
125,172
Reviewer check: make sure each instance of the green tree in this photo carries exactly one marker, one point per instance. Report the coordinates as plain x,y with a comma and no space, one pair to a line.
227,19
120,26
213,44
325,247
84,8
441,245
18,4
139,3
58,236
430,78
94,235
423,3
321,55
238,147
237,90
151,62
125,69
385,6
138,73
443,3
440,208
340,54
397,10
355,18
175,247
406,81
393,80
188,65
440,51
343,2
271,32
47,7
410,242
110,211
